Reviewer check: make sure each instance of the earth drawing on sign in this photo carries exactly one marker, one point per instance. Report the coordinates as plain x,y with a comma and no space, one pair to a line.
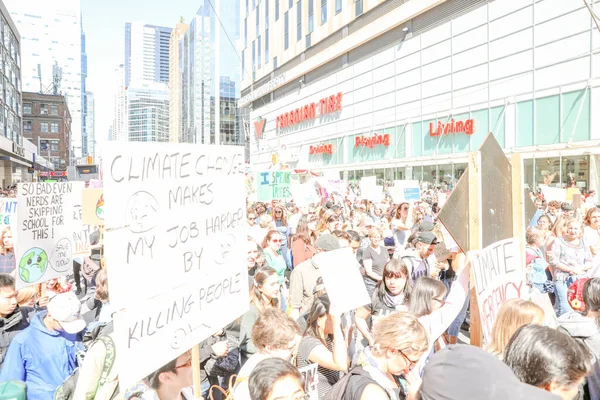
33,265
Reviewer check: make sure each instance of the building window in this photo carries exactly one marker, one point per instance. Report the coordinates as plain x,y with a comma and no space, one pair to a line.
358,7
338,6
253,56
245,32
27,126
266,14
44,127
323,11
266,46
308,43
310,16
276,10
291,4
259,52
53,109
286,31
54,146
257,18
243,64
299,20
274,62
27,108
44,109
54,127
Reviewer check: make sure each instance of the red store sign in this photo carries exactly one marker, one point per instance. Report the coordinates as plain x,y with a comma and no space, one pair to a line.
321,149
467,127
327,105
370,141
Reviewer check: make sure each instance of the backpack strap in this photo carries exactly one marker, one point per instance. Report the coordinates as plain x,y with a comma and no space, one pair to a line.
109,359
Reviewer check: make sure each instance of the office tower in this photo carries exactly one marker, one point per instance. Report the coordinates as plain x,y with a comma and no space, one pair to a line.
90,124
119,124
148,113
84,134
146,53
175,81
51,53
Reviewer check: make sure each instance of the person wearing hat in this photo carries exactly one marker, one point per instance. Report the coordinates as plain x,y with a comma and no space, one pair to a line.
44,354
463,372
304,277
417,260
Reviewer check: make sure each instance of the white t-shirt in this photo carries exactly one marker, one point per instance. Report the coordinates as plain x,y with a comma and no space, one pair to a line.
591,237
240,390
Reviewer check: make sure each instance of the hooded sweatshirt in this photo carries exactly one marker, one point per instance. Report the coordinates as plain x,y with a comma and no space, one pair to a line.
11,326
586,330
41,358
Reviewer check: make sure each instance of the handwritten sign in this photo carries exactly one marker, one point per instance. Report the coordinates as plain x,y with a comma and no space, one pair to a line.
44,231
553,193
175,218
304,194
341,266
81,234
498,277
93,206
8,208
310,378
273,185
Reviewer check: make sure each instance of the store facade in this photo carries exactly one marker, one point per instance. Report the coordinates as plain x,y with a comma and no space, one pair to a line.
414,107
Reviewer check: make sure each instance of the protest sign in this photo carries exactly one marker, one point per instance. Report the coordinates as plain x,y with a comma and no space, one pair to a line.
553,193
410,190
337,186
175,219
273,185
44,228
366,183
8,208
93,206
310,378
341,266
81,233
304,194
498,277
571,192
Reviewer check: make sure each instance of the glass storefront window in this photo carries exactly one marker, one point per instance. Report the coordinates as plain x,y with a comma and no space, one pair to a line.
547,124
575,116
528,174
575,172
417,140
547,171
458,170
380,174
430,174
482,128
525,123
497,125
461,141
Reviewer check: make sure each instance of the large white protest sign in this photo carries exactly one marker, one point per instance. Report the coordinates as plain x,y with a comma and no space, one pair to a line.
367,183
341,266
175,219
553,193
304,194
81,233
498,277
405,191
44,231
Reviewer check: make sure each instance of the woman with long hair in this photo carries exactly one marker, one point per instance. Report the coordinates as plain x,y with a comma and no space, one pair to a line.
401,225
263,295
323,343
303,242
399,342
282,226
535,260
272,251
374,259
591,237
512,315
571,261
328,224
391,295
7,251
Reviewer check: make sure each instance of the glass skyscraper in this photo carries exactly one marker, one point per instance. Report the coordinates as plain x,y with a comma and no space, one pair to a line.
146,53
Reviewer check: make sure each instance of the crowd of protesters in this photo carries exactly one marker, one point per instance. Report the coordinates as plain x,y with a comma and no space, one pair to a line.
402,345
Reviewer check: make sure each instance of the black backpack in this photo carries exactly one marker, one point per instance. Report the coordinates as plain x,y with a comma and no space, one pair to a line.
338,390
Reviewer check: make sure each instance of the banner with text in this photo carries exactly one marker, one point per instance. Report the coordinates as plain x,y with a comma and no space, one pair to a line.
498,277
43,233
175,225
273,185
92,204
81,232
405,191
8,208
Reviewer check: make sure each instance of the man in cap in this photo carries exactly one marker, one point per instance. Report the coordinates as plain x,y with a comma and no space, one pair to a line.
462,372
304,277
417,260
44,354
364,227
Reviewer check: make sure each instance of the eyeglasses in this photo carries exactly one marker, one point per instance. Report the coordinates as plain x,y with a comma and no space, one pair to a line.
186,365
411,363
278,212
441,301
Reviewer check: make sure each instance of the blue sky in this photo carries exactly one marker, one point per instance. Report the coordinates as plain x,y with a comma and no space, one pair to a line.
104,26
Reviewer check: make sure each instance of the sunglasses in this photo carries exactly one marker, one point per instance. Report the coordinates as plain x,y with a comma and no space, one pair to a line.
276,240
186,365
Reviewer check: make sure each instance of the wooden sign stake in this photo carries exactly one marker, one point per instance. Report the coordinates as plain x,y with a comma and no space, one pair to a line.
196,371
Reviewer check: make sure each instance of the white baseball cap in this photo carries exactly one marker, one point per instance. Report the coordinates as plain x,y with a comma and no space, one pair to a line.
65,308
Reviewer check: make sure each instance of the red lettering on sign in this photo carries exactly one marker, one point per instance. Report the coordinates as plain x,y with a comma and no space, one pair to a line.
442,128
321,149
307,112
499,296
372,141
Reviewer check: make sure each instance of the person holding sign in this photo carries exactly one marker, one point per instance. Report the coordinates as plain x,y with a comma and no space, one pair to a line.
391,295
401,225
375,257
591,237
324,344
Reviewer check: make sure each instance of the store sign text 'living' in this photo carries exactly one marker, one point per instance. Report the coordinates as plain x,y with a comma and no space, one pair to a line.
327,105
467,127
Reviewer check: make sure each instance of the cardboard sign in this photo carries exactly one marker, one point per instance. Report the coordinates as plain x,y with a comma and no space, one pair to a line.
93,206
81,234
553,193
310,378
8,208
571,192
43,233
175,229
498,277
304,194
273,185
409,190
341,266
